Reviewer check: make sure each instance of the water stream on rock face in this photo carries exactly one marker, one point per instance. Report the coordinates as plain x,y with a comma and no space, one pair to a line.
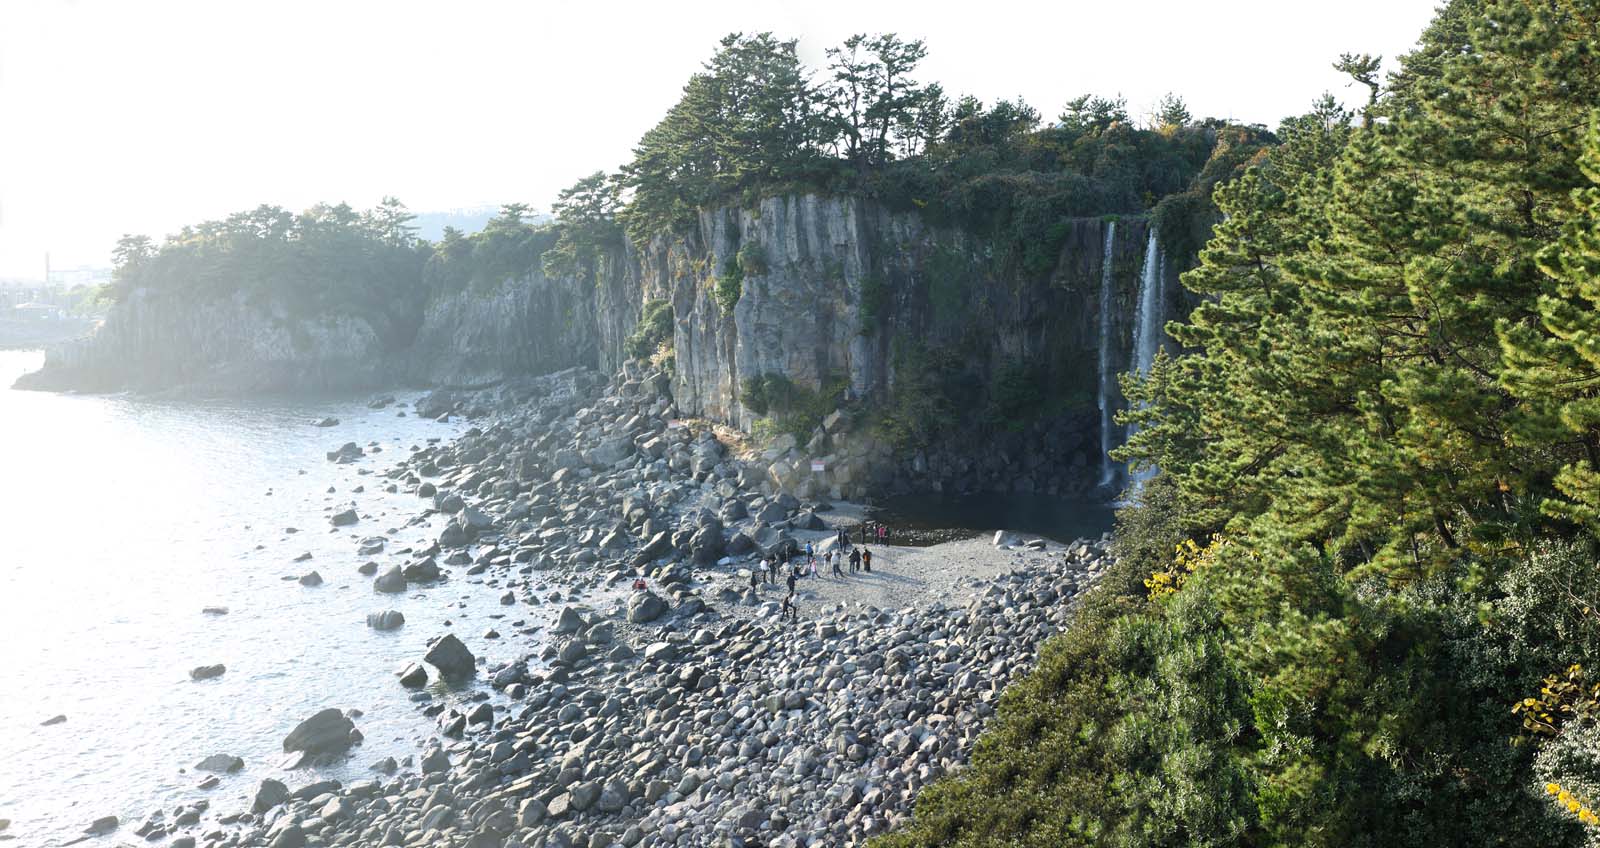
1108,467
1152,318
123,519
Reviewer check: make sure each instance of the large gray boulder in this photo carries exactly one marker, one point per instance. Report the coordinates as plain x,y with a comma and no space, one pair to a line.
451,657
658,546
344,518
327,732
271,794
435,404
393,580
386,620
645,606
220,762
207,672
611,451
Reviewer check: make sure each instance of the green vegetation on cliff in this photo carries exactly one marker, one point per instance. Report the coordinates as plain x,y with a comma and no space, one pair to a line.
329,259
755,123
1358,605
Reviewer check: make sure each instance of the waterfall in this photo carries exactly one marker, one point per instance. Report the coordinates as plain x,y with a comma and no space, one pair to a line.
1152,309
1152,300
1108,468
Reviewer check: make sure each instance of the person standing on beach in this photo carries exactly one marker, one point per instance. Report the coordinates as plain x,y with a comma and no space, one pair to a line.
855,560
837,560
866,559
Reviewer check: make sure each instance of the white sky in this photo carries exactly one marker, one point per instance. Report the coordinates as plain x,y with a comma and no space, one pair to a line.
121,116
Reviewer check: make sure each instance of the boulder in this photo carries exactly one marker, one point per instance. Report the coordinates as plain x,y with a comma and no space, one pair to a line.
348,452
344,518
220,762
271,794
393,580
645,606
328,732
414,676
435,404
311,579
386,620
451,657
207,672
568,622
658,546
422,571
326,422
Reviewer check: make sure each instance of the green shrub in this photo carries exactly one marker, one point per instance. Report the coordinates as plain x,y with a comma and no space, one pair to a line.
874,303
793,408
730,285
752,259
654,329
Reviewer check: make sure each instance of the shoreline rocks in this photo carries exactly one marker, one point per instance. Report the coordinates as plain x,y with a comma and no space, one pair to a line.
451,657
684,713
327,732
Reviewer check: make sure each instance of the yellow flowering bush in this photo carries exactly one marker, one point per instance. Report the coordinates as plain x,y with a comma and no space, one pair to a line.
1572,804
1187,558
1560,698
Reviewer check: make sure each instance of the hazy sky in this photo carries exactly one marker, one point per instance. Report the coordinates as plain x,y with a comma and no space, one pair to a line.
143,115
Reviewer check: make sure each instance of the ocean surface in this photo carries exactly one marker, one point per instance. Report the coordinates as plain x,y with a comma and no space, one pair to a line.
121,519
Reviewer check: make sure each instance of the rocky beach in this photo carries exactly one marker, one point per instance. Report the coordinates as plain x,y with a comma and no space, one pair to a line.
690,712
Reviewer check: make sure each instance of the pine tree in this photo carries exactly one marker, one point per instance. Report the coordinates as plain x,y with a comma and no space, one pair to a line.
1554,365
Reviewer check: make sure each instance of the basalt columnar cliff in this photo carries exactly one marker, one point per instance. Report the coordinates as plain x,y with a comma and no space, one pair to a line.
835,294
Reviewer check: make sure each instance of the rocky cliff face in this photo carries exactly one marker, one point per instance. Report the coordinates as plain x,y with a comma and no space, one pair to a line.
529,325
839,289
231,345
831,292
835,285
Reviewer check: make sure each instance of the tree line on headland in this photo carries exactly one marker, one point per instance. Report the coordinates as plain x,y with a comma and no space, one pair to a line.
754,122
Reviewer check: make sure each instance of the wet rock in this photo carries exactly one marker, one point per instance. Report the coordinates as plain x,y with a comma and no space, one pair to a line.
451,657
386,620
391,581
311,579
414,676
345,518
220,763
269,796
103,825
422,571
53,720
207,672
327,732
348,452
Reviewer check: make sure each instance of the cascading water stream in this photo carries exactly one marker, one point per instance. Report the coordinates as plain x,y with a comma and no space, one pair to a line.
1152,306
1108,468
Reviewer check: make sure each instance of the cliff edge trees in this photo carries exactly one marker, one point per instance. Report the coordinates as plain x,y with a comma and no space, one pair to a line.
1357,607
